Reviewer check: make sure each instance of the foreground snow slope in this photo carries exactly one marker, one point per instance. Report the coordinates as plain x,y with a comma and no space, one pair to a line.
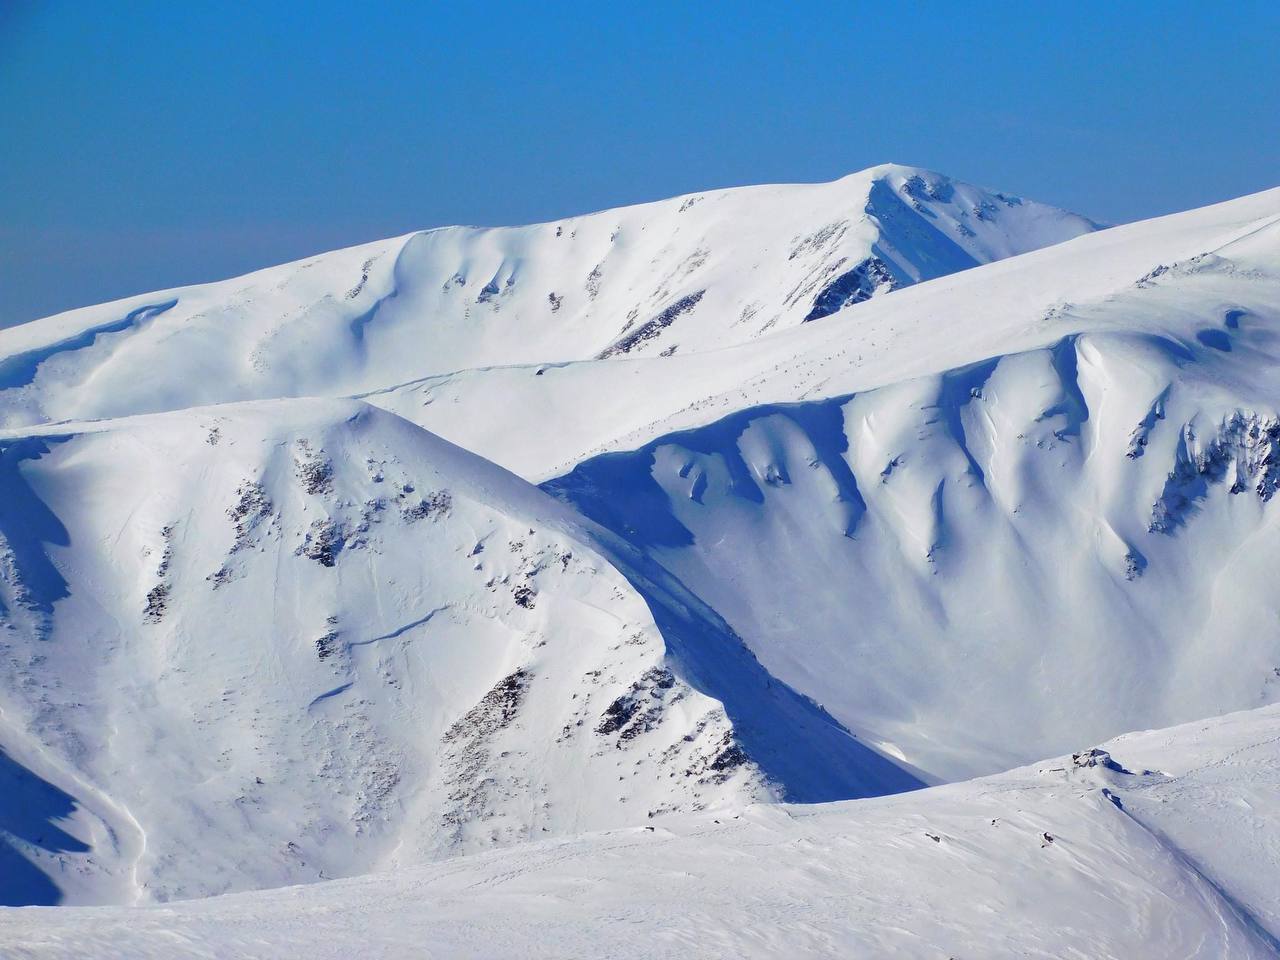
1162,849
688,273
283,641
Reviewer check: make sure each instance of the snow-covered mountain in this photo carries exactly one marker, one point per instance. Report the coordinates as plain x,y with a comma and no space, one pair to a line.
652,519
1062,533
282,641
1166,277
678,275
1159,844
1024,504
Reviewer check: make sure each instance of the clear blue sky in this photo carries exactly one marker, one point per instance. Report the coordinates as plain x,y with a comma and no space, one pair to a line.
149,144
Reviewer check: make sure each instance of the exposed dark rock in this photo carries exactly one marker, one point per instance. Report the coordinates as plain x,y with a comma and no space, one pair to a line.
1150,277
1246,447
1134,565
853,286
364,278
639,709
467,754
323,543
816,241
496,709
252,506
314,471
1141,433
652,328
720,766
327,645
985,211
593,281
166,556
617,714
157,601
434,505
1095,757
524,596
919,189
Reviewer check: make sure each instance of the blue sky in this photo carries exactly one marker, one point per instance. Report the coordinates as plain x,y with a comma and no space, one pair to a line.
145,145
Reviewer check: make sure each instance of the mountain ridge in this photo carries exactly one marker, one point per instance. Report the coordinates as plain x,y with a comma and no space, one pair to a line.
966,518
681,274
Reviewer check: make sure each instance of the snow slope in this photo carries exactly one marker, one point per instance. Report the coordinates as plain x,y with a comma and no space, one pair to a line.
282,641
963,870
1052,522
1174,277
834,545
681,274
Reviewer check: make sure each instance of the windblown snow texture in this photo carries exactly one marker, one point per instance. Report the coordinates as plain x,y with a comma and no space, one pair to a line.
638,540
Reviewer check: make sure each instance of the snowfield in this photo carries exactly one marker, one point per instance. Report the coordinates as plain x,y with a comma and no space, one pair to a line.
1162,846
707,577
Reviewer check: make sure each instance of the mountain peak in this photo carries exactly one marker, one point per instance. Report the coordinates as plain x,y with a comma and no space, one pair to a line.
705,270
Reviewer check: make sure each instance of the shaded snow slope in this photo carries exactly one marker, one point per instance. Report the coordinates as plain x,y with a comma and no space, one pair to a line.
1158,845
284,641
995,561
1068,538
677,275
1065,501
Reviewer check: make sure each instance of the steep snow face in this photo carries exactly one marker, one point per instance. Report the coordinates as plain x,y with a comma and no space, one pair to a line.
675,276
1078,474
995,561
1066,539
285,641
1155,845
